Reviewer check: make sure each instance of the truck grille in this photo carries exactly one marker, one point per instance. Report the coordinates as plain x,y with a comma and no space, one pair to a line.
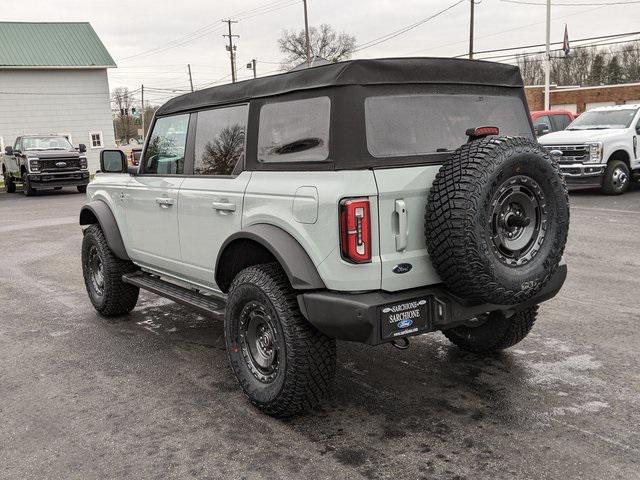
55,164
571,153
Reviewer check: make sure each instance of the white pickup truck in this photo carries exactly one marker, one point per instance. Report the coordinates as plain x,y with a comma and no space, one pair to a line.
599,148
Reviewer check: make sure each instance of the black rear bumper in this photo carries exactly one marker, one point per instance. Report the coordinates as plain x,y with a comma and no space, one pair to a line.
357,317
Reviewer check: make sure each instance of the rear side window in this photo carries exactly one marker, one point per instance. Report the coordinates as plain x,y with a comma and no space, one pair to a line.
220,140
561,121
404,125
294,131
164,154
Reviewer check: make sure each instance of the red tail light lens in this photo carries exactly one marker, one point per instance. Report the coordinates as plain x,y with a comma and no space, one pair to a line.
355,230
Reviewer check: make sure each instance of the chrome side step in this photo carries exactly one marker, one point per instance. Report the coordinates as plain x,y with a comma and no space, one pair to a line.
206,304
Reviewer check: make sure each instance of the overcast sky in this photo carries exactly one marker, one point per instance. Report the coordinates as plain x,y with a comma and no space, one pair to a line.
190,31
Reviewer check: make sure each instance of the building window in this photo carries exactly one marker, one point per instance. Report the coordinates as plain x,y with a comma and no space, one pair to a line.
95,139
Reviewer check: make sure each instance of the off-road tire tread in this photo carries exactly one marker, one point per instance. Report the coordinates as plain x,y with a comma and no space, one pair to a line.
311,355
452,203
120,297
508,332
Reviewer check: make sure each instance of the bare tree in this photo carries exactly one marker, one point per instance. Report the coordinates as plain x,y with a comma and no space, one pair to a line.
325,43
124,124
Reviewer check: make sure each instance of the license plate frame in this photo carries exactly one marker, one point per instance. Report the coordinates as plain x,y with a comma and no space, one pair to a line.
410,317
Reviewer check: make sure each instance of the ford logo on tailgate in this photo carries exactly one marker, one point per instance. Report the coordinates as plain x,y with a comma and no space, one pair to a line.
61,164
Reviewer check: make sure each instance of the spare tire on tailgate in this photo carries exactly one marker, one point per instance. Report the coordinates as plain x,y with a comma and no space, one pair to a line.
497,220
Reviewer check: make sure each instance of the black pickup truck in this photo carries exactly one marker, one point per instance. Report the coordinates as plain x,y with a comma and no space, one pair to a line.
41,162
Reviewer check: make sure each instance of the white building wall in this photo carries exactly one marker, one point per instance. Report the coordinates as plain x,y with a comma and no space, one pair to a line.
68,101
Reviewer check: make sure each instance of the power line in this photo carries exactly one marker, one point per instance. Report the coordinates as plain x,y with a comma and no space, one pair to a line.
523,2
403,30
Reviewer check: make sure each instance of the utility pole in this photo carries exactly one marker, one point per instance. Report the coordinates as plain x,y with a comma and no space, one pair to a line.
471,26
547,61
142,111
306,34
232,49
252,66
190,77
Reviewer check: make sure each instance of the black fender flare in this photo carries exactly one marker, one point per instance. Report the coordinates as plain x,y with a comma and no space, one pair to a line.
99,212
296,263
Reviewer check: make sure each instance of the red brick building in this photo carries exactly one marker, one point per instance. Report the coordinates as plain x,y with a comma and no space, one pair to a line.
580,99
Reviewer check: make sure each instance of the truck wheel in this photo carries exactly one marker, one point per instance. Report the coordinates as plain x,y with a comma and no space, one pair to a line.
82,188
493,331
497,220
283,364
616,178
102,272
27,189
9,185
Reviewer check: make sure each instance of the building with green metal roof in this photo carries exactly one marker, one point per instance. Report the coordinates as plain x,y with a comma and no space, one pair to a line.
53,79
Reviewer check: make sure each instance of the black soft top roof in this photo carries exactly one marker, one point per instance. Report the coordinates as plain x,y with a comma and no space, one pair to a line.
353,72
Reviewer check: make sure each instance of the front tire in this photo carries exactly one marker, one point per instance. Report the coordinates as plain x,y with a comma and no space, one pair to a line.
494,332
283,364
616,178
102,272
82,188
27,189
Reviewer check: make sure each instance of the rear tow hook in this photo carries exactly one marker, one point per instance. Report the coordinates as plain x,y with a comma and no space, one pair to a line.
400,343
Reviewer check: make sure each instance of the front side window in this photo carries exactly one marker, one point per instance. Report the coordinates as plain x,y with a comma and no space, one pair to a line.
561,121
404,125
294,131
164,154
220,140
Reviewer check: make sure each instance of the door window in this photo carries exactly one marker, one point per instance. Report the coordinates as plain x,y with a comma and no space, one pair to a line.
220,140
164,154
294,131
560,122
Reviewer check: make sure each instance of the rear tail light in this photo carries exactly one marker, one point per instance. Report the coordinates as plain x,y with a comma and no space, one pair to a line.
355,230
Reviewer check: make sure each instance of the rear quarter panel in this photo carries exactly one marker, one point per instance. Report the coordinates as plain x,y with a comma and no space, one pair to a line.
287,199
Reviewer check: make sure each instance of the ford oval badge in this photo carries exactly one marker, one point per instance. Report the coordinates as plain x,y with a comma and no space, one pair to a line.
405,324
402,268
61,164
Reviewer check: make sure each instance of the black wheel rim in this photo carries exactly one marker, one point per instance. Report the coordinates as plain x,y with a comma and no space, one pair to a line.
95,270
258,342
518,220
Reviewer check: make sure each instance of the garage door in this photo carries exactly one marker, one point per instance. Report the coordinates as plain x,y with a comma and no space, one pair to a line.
599,104
569,107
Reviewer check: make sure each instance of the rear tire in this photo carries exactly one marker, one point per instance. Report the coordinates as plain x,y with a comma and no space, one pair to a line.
82,188
283,364
616,178
9,185
102,272
27,189
496,333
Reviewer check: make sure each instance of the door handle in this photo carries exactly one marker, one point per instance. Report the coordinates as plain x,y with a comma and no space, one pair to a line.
401,236
224,206
164,202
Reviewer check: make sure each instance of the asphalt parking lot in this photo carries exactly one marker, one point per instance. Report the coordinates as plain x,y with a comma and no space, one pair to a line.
151,395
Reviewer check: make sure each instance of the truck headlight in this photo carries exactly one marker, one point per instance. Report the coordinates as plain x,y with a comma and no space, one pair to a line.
83,162
595,152
34,166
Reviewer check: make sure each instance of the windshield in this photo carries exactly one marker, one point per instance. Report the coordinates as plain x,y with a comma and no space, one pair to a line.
46,143
604,119
403,125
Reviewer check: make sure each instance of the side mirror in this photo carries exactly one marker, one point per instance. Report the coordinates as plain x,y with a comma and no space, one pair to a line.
541,129
113,161
82,148
8,150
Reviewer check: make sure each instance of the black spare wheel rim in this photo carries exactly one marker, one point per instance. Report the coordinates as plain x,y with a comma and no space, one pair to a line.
95,268
258,342
497,220
518,220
